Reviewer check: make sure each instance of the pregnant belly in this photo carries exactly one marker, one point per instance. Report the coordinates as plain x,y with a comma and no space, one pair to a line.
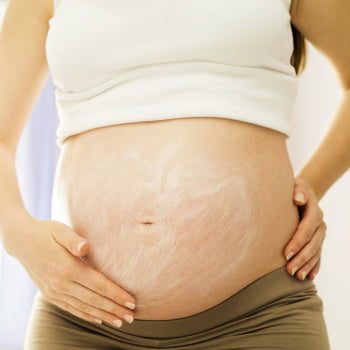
181,213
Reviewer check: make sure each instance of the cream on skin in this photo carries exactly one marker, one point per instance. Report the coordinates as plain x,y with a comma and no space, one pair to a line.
164,227
178,220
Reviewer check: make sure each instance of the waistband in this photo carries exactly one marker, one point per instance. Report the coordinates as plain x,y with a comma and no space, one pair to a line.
266,289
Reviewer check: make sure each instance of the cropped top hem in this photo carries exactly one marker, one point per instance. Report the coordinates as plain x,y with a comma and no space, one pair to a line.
180,90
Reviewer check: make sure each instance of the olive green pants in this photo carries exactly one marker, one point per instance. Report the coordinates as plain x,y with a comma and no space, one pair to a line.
277,311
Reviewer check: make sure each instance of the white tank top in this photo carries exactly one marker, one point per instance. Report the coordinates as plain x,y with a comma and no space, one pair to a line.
123,61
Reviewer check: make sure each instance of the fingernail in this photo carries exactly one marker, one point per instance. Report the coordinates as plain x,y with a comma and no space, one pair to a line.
300,197
294,270
290,255
79,245
97,320
303,275
128,318
130,305
117,322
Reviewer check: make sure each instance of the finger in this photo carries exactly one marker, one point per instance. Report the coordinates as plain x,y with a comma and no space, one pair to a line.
301,191
70,240
300,195
311,219
97,301
66,306
98,283
114,320
306,268
309,250
315,269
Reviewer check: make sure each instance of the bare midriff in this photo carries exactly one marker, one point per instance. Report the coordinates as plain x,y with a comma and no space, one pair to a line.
181,213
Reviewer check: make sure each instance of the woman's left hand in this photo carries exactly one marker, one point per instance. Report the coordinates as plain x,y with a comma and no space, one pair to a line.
306,243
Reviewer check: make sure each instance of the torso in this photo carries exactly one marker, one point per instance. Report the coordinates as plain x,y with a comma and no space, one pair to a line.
181,213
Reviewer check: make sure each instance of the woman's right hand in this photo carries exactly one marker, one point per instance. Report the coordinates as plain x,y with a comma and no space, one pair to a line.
48,250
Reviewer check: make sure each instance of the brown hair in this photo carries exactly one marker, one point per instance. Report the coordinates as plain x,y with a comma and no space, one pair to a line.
298,58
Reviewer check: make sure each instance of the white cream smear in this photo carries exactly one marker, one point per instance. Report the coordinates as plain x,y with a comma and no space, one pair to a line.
161,229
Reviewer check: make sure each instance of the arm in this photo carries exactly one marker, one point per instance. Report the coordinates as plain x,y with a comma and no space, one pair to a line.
331,159
326,25
11,204
23,72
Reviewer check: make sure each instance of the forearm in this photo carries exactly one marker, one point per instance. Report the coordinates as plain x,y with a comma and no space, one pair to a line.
331,159
11,204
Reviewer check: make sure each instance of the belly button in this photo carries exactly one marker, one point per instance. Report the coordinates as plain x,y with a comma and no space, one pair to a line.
147,223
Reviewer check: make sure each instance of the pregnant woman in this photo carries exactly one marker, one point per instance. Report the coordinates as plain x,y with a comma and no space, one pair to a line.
173,171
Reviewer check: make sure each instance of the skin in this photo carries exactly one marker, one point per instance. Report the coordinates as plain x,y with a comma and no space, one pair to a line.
204,199
306,244
323,24
326,26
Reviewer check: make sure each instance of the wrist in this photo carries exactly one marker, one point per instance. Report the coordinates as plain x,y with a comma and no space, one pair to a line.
311,180
12,228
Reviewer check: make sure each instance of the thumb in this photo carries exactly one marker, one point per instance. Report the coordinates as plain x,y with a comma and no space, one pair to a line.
300,191
81,247
300,197
70,240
